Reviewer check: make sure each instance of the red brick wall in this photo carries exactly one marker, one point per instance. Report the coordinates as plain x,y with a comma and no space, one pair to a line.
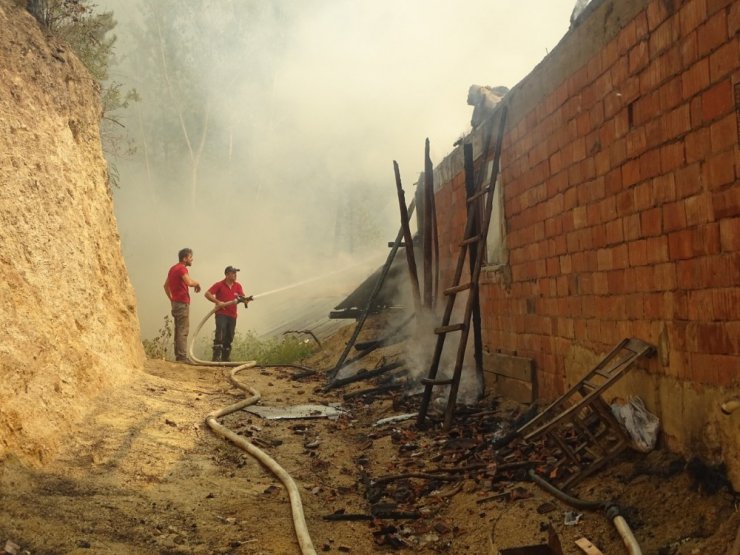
622,203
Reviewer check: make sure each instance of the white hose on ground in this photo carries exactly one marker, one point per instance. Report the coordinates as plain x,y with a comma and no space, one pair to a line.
630,542
299,520
731,405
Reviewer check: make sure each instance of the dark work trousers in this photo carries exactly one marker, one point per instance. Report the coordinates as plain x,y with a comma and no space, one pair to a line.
225,328
181,315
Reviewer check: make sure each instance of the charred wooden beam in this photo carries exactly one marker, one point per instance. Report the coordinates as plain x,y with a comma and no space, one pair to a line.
362,376
372,391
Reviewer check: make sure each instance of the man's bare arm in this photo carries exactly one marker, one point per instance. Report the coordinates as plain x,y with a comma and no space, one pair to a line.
190,282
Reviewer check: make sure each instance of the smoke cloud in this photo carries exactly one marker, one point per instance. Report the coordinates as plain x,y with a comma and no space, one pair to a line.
305,105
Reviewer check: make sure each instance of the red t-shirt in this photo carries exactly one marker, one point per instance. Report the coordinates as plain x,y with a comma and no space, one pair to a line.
178,288
224,293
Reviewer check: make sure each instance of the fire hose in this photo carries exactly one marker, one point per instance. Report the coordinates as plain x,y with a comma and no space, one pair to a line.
299,520
612,512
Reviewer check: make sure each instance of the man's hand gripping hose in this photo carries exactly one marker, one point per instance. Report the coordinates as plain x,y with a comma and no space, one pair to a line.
299,521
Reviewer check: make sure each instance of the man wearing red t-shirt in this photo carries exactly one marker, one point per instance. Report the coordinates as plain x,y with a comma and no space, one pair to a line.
220,293
176,288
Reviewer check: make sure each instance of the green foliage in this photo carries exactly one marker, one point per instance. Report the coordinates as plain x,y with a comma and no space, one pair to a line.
161,346
276,350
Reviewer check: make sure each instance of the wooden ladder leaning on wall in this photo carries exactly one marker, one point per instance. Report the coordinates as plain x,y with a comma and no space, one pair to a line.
472,239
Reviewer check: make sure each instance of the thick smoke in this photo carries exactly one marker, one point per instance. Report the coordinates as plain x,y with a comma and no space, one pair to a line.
307,104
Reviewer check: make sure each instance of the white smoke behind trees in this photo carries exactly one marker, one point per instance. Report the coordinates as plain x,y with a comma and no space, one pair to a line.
266,129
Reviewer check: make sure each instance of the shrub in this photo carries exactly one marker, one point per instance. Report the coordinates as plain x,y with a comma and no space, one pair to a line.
161,346
268,351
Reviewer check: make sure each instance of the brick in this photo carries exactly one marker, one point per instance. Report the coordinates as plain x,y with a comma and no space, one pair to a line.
639,57
677,122
630,173
698,209
609,55
729,232
695,78
632,228
644,278
726,204
613,181
616,281
680,245
654,306
697,145
712,33
712,337
626,38
650,78
723,270
604,259
650,163
651,222
717,101
636,142
723,61
654,133
714,369
733,20
637,252
607,207
706,239
643,196
726,303
695,112
672,156
674,216
663,37
665,272
601,163
664,189
724,133
689,180
692,15
701,307
625,202
657,12
692,273
689,48
670,94
720,170
614,232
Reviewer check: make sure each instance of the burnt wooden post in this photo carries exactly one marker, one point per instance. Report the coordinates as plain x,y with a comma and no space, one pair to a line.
470,187
370,301
407,240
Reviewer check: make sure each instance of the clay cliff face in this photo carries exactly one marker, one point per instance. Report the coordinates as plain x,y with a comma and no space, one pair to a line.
67,308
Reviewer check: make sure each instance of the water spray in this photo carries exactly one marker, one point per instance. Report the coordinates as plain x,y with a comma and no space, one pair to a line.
305,281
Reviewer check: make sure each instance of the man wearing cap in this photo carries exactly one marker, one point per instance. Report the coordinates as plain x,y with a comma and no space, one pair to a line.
221,293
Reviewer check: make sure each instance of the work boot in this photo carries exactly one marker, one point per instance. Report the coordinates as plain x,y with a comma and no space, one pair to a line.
217,353
226,357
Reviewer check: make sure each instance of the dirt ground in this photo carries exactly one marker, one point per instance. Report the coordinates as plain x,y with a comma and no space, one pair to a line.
144,474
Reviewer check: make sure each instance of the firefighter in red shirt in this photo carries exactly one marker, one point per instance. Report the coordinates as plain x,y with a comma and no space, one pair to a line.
221,293
176,287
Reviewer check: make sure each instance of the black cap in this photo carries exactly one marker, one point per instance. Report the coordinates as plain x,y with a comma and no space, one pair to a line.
230,269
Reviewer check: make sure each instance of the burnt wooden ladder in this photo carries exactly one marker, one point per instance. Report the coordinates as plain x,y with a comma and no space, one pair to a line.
474,241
